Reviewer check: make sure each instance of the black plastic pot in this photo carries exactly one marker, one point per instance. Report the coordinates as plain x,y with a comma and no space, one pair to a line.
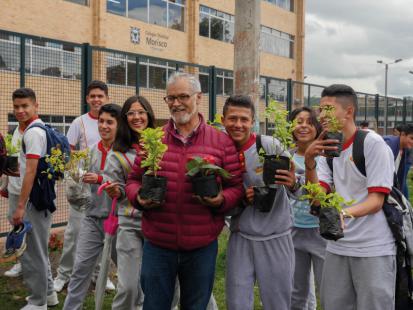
330,224
12,163
153,187
205,186
315,210
264,198
335,136
272,163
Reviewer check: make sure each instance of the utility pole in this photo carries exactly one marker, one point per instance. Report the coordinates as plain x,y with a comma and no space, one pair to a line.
246,51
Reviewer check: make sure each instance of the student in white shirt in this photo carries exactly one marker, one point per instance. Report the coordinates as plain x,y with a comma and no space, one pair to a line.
83,133
359,269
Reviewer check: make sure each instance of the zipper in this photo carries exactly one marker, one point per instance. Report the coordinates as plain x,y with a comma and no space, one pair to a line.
181,182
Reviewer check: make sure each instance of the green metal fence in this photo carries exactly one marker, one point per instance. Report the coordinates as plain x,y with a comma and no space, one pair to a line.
59,72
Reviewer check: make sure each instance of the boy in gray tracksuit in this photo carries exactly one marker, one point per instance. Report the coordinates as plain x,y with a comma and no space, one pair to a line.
260,247
92,235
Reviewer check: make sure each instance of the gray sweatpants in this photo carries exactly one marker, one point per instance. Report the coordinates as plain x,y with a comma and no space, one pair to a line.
270,263
69,244
358,283
88,251
35,260
129,255
309,248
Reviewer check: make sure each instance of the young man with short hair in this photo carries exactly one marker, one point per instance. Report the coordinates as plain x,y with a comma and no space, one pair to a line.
91,234
260,247
401,146
35,260
83,133
359,269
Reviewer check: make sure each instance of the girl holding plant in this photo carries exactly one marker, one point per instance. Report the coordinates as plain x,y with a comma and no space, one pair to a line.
136,115
309,246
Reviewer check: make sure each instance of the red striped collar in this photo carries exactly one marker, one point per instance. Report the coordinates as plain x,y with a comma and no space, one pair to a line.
249,143
349,142
91,116
104,154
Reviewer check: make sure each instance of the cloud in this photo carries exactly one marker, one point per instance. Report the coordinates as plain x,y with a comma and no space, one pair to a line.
344,40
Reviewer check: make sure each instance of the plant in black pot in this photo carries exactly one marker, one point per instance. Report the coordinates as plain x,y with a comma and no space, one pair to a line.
277,115
203,173
328,208
153,185
13,151
334,128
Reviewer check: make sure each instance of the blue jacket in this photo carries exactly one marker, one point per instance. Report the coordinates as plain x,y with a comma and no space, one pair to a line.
394,143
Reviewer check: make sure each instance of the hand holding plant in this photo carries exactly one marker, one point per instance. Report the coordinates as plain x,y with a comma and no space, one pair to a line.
12,149
204,166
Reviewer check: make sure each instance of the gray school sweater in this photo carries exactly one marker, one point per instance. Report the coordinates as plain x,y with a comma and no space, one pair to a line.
98,206
118,166
251,223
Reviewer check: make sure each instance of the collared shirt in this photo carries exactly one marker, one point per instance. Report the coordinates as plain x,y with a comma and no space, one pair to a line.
185,139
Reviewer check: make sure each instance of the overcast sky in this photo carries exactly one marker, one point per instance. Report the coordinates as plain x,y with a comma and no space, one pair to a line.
344,40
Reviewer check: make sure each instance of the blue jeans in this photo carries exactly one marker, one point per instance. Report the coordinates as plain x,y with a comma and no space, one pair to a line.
195,270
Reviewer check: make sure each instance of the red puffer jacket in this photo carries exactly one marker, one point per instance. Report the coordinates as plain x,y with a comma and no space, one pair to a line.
183,223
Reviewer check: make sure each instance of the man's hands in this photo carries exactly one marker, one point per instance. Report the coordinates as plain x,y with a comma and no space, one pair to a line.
286,177
18,216
147,203
213,202
317,148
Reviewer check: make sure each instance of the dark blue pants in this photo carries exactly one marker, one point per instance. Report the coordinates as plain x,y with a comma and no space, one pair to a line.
195,270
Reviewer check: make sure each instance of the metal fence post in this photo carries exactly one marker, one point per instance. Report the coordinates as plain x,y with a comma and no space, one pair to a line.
22,60
266,94
137,75
86,66
404,110
212,92
289,95
376,108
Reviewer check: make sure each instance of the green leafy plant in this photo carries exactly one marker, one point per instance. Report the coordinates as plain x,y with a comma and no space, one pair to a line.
204,166
78,164
283,129
316,194
153,149
56,161
216,123
328,115
12,149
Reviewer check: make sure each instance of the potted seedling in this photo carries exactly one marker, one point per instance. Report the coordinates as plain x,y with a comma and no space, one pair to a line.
153,185
12,153
283,131
203,173
78,164
329,207
334,128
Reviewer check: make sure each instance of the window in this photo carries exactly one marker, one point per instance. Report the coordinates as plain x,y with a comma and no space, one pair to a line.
284,4
204,80
83,2
53,59
121,70
277,42
224,82
60,122
9,52
216,24
166,13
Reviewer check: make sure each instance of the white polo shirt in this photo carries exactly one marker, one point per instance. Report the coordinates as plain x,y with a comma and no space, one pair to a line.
84,131
35,142
370,235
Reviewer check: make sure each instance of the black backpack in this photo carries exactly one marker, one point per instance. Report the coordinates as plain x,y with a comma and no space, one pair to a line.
399,215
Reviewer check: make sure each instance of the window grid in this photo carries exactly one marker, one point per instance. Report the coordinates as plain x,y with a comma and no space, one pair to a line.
284,4
123,10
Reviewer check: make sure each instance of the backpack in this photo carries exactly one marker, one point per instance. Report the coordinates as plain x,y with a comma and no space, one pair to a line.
399,215
43,192
3,154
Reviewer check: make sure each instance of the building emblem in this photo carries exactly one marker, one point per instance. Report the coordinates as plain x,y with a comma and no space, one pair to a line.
135,35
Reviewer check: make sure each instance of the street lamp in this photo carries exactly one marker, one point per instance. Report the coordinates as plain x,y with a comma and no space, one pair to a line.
386,65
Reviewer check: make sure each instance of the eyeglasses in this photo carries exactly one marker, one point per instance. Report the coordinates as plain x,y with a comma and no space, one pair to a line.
138,113
182,98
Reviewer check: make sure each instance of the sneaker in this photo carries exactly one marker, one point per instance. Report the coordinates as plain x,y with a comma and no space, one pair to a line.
34,307
52,299
59,284
16,240
109,285
15,271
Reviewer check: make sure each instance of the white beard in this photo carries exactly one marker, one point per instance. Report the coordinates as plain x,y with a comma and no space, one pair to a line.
183,119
